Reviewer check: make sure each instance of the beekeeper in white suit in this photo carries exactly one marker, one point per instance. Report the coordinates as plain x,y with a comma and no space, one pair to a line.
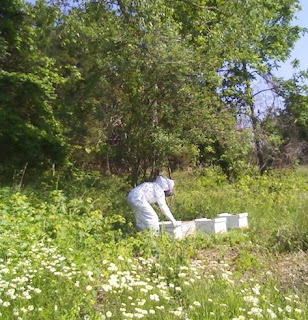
141,197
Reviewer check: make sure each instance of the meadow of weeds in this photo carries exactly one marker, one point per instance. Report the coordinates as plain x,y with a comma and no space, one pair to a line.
68,250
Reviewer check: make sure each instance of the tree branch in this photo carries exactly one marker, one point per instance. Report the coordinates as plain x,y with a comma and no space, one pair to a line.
270,89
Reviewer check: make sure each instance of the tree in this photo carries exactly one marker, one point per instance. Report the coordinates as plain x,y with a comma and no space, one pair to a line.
293,120
29,131
135,86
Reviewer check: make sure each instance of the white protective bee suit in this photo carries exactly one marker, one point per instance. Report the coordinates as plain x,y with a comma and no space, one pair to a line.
141,197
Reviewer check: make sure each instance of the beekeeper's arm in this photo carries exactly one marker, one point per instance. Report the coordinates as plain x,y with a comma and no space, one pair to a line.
161,201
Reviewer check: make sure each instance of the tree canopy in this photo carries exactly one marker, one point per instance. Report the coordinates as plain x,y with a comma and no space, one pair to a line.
133,86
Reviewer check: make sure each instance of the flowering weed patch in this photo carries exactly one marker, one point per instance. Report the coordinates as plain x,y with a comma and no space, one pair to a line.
37,282
74,254
197,291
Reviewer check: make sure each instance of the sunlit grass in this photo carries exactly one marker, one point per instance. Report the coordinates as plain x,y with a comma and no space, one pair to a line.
66,254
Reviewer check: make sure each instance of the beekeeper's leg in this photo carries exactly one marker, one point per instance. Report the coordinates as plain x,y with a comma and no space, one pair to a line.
147,218
145,215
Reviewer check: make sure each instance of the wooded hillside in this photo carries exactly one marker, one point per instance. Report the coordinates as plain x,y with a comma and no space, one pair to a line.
133,86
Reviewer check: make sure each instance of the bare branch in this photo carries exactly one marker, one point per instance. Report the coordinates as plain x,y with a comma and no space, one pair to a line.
270,89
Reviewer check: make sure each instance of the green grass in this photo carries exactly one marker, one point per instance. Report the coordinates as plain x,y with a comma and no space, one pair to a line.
68,250
277,204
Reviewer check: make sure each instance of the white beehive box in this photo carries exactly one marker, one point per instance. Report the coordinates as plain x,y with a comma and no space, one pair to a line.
239,220
188,228
167,226
214,226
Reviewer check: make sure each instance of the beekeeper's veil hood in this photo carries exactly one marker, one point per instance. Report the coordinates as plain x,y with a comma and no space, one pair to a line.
165,183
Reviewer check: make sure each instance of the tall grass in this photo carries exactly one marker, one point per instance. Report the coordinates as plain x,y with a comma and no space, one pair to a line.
69,250
277,203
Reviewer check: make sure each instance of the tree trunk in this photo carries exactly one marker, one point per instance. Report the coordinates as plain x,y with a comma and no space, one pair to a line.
254,121
257,140
135,173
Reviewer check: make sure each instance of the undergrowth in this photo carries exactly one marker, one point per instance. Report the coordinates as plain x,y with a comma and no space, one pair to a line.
69,250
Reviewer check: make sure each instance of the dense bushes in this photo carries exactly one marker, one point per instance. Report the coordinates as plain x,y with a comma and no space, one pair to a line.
92,210
134,86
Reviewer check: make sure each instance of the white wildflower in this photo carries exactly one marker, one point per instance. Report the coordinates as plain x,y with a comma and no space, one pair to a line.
256,289
272,313
160,307
182,275
154,297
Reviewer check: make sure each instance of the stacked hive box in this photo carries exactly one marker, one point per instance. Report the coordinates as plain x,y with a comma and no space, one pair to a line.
220,224
188,228
214,226
168,227
235,220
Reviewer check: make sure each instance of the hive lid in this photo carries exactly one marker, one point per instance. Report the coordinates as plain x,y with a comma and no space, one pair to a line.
202,220
224,214
220,219
169,224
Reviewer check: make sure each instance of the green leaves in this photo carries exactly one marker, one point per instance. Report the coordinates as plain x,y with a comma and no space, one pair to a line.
30,132
134,85
28,125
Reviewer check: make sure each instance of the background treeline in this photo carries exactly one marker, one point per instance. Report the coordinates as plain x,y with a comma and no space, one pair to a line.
133,86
